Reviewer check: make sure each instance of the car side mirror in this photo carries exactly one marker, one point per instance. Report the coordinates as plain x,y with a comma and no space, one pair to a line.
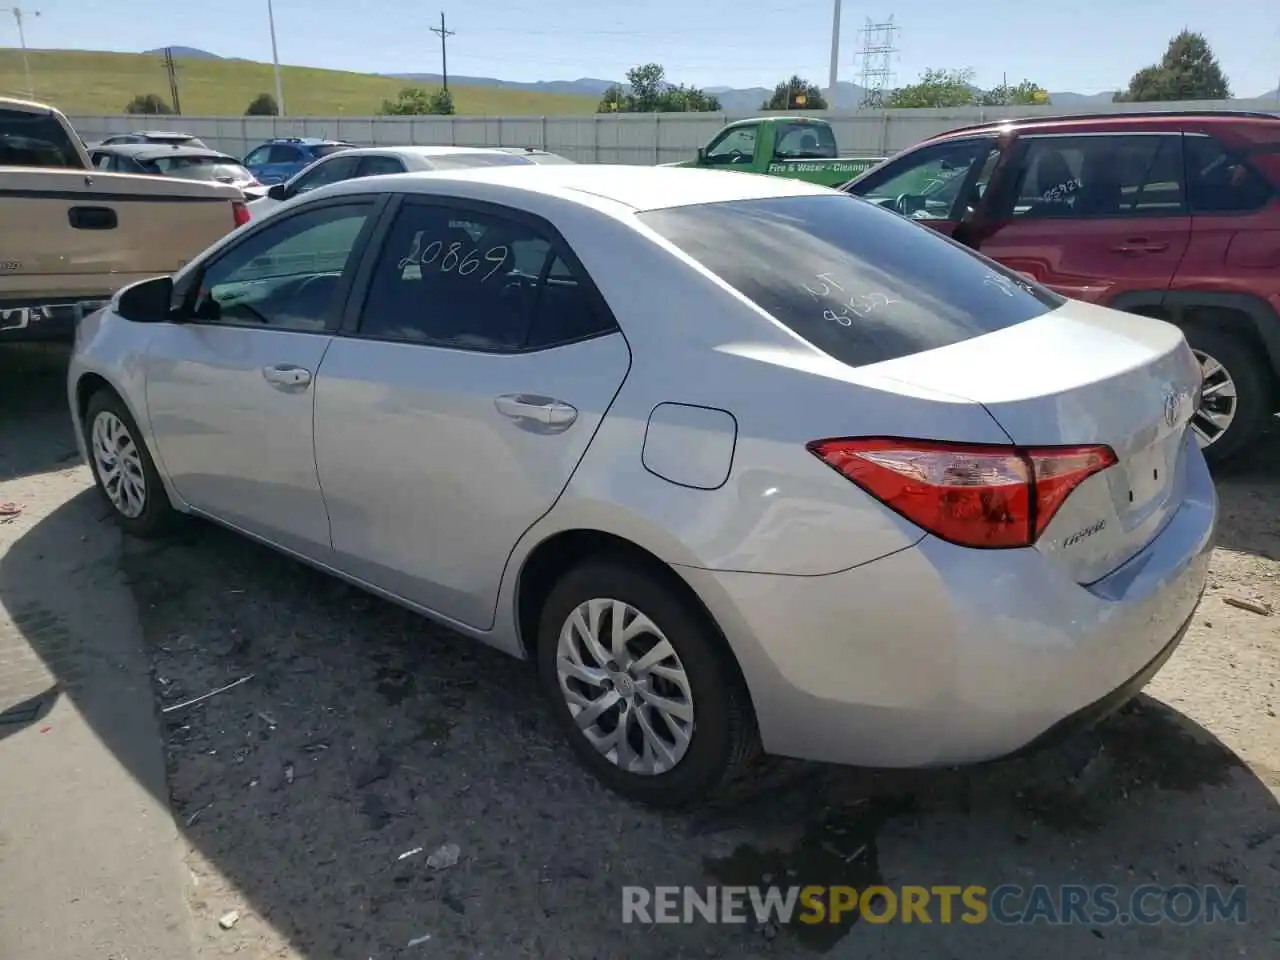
702,154
148,301
278,192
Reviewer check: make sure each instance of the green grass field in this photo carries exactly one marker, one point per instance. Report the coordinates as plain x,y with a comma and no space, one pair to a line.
91,83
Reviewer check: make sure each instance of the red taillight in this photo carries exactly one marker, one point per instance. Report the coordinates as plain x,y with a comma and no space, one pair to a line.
240,212
975,495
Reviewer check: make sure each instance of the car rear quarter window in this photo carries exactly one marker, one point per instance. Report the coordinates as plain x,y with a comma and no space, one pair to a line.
35,140
862,284
324,149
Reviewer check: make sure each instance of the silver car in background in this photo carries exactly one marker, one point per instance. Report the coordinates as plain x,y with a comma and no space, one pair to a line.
745,466
376,161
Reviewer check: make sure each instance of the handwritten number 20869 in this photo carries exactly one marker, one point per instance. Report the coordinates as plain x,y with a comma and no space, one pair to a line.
452,257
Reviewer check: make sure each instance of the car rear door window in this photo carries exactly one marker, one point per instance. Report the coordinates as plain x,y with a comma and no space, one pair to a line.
860,283
476,281
1222,181
323,173
1099,176
286,276
377,166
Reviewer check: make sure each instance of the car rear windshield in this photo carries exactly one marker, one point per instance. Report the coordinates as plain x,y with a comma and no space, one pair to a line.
862,284
35,140
324,149
202,168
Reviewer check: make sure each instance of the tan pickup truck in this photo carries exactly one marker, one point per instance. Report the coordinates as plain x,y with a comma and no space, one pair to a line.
71,236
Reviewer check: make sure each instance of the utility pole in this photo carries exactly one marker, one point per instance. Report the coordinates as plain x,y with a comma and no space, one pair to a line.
18,14
834,79
275,58
444,52
171,69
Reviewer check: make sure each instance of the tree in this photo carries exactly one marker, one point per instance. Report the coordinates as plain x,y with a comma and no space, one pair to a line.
1026,93
648,91
936,88
1187,71
795,94
147,103
418,102
263,105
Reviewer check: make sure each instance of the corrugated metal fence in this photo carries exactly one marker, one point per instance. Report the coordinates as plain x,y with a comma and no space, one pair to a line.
629,138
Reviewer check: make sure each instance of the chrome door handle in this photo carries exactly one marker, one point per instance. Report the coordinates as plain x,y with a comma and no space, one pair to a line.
286,375
531,408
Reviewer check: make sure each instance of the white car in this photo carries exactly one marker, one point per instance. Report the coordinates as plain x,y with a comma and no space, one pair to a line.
373,161
745,465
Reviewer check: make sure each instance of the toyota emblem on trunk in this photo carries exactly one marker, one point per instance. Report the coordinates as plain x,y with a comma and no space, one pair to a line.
1171,404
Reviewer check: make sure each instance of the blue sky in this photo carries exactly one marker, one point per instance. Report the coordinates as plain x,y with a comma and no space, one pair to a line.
1086,46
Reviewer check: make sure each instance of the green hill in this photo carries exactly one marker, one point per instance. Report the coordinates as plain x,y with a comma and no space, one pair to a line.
92,83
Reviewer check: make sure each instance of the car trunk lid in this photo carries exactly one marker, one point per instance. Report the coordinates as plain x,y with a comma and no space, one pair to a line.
1083,375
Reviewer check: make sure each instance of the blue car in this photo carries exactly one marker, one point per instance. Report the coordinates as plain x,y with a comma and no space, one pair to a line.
277,160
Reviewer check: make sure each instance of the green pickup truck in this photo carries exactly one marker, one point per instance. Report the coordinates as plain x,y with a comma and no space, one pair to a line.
803,148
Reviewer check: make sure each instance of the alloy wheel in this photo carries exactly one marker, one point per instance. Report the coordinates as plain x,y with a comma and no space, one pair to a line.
625,687
1218,401
119,464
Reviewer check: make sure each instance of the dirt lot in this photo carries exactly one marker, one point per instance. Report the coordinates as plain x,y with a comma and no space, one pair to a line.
365,733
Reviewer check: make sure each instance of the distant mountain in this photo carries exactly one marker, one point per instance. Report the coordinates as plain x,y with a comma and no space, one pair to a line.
189,53
583,87
1069,99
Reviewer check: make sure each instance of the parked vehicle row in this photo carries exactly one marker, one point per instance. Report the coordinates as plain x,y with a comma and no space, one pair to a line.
375,161
73,234
743,466
1169,215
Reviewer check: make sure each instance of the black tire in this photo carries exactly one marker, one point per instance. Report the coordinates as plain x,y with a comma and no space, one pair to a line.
724,745
1244,363
157,516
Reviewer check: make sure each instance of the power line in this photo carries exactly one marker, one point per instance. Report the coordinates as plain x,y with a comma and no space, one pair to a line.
18,15
171,69
877,49
444,35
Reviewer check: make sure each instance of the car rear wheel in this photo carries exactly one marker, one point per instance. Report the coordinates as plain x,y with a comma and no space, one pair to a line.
123,469
642,686
1235,397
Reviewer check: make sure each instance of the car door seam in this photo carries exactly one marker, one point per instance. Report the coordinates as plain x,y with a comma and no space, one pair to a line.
315,456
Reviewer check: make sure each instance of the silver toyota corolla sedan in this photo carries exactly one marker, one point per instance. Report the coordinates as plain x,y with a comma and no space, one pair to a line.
746,466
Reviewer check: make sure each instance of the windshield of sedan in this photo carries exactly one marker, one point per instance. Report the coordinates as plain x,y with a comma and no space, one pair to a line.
861,284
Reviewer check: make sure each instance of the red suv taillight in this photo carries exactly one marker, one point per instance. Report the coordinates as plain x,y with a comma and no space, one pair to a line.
240,212
974,495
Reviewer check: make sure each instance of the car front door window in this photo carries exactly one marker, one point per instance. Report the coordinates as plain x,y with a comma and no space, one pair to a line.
285,277
258,156
926,184
737,146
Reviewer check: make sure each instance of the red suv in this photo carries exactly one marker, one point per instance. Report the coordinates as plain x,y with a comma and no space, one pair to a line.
1172,215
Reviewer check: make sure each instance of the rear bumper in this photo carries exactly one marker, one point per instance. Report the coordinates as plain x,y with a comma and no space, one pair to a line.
939,655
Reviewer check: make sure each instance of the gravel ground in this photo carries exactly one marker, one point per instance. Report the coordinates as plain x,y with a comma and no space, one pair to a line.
366,733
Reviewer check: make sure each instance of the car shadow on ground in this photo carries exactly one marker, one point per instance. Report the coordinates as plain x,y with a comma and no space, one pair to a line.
315,792
1248,521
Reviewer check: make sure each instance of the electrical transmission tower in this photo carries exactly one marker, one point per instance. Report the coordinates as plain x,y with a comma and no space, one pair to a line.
878,48
171,71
